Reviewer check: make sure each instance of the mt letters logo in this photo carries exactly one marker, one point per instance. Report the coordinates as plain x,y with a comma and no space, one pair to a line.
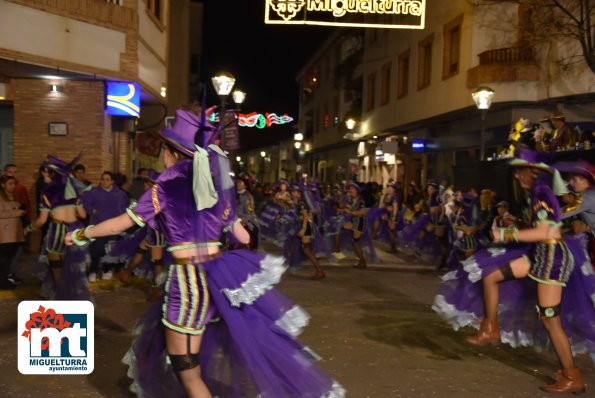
56,337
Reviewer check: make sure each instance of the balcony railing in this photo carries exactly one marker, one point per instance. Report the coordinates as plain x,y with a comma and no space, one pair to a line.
508,55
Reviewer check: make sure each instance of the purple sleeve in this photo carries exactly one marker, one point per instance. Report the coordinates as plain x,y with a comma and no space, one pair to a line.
147,207
545,205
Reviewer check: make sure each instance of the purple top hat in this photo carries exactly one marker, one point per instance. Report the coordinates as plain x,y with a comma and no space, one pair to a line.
181,136
529,158
581,168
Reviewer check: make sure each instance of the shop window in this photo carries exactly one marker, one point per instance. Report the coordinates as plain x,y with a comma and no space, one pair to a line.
424,65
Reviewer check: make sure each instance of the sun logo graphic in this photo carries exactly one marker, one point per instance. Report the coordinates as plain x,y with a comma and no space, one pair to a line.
56,337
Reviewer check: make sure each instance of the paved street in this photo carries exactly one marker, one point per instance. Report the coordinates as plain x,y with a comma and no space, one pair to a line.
374,329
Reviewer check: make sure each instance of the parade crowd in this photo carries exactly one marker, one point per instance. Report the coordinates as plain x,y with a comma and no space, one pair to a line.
519,269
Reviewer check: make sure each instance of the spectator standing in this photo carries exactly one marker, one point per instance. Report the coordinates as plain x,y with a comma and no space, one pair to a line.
79,173
20,194
11,228
137,187
563,136
102,203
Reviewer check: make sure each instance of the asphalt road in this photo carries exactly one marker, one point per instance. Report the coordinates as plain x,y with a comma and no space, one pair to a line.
373,328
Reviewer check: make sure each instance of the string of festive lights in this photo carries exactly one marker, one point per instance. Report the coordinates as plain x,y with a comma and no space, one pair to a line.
257,120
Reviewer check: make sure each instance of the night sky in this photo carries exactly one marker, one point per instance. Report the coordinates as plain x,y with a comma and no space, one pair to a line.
264,59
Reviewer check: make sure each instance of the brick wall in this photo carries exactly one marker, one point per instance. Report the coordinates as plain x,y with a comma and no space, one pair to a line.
81,106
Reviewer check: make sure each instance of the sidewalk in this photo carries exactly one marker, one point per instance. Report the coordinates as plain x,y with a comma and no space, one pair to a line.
30,289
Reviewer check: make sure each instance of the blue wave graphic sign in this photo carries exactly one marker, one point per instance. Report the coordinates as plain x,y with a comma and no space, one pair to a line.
123,99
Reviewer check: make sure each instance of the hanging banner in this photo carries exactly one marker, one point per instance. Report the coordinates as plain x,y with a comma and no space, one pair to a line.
230,136
387,14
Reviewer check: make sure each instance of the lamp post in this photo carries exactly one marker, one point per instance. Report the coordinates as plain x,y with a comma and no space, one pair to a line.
263,155
483,100
223,83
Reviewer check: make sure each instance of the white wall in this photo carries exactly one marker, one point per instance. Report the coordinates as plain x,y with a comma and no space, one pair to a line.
152,63
150,69
39,33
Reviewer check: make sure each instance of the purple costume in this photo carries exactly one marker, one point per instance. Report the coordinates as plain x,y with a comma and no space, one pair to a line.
62,192
561,262
249,328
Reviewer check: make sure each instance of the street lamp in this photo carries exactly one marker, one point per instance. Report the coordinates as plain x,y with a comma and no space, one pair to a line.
263,154
238,97
350,123
223,83
483,99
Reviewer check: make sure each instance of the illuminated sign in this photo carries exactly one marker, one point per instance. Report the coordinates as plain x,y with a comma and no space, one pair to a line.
123,99
257,120
418,145
388,14
379,154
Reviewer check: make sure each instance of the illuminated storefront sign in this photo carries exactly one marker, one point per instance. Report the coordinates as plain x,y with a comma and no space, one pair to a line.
418,145
123,99
389,14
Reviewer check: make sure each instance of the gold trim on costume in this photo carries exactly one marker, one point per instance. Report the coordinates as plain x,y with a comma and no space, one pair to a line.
155,199
574,205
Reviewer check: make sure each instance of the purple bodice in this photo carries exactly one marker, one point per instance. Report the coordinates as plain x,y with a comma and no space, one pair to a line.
170,208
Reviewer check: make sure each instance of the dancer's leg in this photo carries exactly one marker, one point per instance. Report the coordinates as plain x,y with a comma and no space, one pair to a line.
489,331
183,352
569,379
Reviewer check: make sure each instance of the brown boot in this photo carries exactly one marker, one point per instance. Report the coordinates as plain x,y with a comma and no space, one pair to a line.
571,380
357,248
489,332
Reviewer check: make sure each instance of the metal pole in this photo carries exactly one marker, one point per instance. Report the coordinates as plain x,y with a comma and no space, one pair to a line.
482,135
222,121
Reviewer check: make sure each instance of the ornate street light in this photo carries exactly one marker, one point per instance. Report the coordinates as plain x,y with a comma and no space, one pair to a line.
238,97
223,83
483,97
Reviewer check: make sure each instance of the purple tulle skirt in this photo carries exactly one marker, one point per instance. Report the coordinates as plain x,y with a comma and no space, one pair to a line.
123,249
73,278
346,244
460,300
249,349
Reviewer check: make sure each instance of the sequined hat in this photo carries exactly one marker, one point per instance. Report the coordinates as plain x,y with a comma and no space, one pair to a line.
580,167
532,159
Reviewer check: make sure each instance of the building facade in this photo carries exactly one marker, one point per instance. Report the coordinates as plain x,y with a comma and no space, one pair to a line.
410,92
57,59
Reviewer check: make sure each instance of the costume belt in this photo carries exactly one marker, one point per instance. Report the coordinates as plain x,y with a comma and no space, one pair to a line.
551,241
196,259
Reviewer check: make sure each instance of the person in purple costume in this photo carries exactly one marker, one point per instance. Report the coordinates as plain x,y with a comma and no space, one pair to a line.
60,206
384,217
539,252
582,211
307,229
250,348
